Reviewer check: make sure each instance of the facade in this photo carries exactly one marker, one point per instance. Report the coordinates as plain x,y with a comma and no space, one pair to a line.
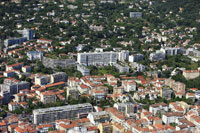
101,58
191,74
129,85
156,56
125,108
48,97
48,115
138,67
192,52
42,80
171,51
16,66
166,93
84,71
98,94
122,69
9,74
26,69
159,107
27,34
171,117
135,14
44,41
14,87
136,57
12,41
53,63
35,55
98,117
13,106
58,77
123,55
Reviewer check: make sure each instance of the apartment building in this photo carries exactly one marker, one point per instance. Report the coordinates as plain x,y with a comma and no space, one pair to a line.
27,34
125,108
34,55
136,57
135,14
191,74
123,55
156,56
16,66
121,68
129,85
26,69
84,71
10,88
171,51
42,79
100,58
48,115
98,117
58,77
48,97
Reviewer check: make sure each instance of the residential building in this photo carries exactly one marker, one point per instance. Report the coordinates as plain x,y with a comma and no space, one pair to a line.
98,94
13,106
191,74
54,63
63,112
166,93
138,67
35,55
26,69
121,68
9,74
44,41
158,108
118,128
83,89
101,58
105,127
42,79
136,57
123,55
44,128
84,71
135,14
98,117
16,66
58,77
129,85
125,108
171,51
13,41
27,34
48,97
20,97
171,117
156,56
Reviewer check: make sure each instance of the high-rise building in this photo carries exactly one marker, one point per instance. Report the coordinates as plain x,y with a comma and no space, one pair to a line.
101,58
9,88
48,115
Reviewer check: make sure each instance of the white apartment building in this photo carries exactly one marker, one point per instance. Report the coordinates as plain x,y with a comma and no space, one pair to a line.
48,115
101,58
